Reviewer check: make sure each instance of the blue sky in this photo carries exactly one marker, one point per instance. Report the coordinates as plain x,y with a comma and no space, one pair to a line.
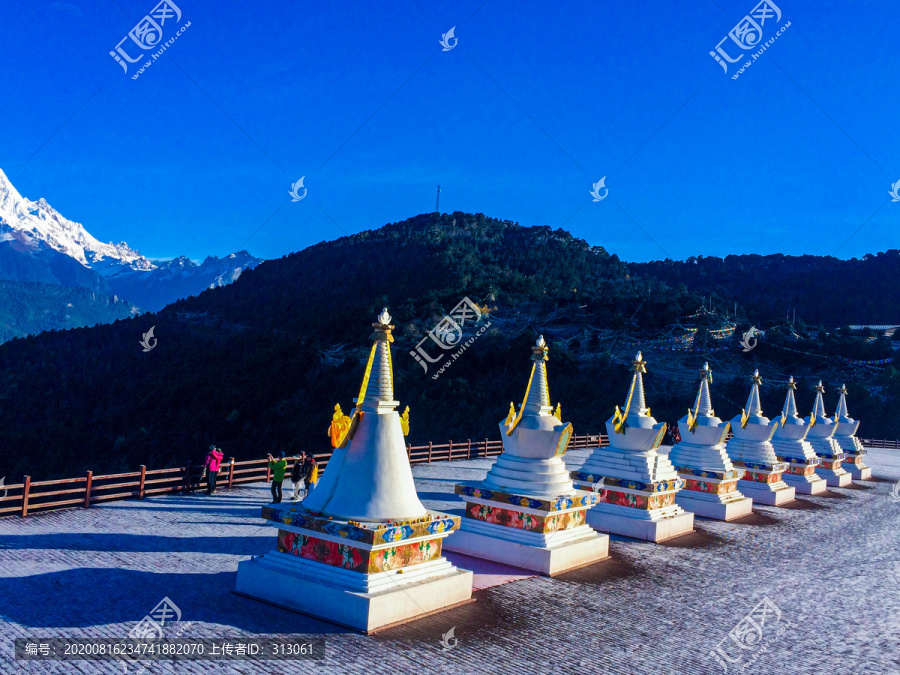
536,102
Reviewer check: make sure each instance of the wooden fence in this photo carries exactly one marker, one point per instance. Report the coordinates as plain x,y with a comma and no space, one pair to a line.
30,497
876,443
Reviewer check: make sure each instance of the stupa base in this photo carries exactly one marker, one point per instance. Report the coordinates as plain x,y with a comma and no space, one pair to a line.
806,485
364,602
641,528
835,477
858,472
770,494
713,508
548,555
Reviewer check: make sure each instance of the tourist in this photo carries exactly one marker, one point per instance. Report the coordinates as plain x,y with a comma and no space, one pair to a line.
311,472
297,476
277,467
211,465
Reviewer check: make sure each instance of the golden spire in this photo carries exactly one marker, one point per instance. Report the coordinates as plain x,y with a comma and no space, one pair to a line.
512,413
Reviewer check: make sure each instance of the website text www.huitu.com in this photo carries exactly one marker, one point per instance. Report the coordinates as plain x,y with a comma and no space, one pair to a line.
764,47
159,53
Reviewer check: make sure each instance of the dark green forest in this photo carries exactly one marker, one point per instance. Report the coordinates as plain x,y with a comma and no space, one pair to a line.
257,366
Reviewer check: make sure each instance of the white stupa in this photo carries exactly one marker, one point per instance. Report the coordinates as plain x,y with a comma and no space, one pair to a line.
750,449
361,550
638,485
821,437
526,512
845,436
792,448
710,478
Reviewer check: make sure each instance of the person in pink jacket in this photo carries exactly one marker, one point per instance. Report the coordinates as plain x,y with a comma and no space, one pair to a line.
213,463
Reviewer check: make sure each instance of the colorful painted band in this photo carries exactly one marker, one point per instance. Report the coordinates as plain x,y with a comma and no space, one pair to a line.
350,557
560,503
761,477
368,533
724,488
637,501
529,522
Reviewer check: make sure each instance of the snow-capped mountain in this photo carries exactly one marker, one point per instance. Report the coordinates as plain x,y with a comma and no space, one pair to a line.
39,244
35,226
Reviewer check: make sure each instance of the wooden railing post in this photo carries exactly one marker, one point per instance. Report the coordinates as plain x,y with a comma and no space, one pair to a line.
485,447
87,489
26,490
187,476
231,473
143,481
430,445
269,471
450,450
469,449
409,451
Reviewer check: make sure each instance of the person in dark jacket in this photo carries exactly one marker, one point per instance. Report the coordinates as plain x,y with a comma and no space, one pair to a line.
297,476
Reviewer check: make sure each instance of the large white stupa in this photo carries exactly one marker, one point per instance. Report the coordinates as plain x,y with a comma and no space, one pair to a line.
845,436
637,485
526,512
710,478
361,550
821,437
750,449
792,448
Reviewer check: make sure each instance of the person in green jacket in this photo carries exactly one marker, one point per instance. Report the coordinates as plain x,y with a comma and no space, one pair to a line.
277,467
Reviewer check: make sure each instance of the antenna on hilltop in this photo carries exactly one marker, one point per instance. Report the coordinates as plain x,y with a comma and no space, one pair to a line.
437,203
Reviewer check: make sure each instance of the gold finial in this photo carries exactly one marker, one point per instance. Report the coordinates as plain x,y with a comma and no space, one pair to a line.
691,420
706,373
783,419
791,385
558,412
404,421
820,387
539,351
744,418
383,327
757,380
639,365
843,389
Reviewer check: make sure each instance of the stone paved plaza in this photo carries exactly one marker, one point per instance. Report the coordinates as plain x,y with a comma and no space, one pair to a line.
831,564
